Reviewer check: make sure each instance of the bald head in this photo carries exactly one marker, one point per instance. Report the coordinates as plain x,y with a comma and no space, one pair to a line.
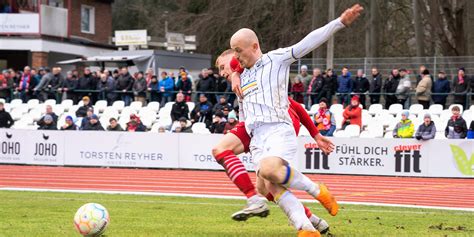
246,46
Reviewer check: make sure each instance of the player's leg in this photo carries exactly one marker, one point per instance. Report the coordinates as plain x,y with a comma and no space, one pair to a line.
292,207
279,149
225,153
319,224
232,144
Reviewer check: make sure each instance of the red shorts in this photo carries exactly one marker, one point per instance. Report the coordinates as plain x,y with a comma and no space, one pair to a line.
240,131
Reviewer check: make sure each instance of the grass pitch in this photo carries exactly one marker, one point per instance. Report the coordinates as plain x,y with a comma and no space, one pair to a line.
51,214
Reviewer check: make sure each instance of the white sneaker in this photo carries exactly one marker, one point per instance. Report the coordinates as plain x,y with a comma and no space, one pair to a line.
321,225
255,207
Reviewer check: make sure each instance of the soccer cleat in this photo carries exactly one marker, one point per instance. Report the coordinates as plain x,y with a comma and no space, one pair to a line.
258,208
322,226
327,200
308,233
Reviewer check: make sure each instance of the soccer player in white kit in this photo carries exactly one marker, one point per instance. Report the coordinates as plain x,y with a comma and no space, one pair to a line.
265,105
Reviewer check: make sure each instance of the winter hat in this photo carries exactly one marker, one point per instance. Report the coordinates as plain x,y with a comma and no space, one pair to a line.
356,98
304,68
183,119
94,116
427,116
232,115
133,116
69,117
48,117
462,69
406,113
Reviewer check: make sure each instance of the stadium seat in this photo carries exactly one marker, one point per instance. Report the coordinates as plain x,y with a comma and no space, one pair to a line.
303,105
388,135
21,125
341,133
338,119
119,105
416,109
80,103
460,107
198,126
435,109
127,111
155,106
104,122
58,109
304,132
100,106
16,114
472,107
136,105
14,103
440,135
32,103
375,109
27,119
67,104
366,118
73,109
35,114
395,109
23,108
165,122
353,130
365,134
468,116
110,112
314,109
169,105
51,102
375,129
335,108
191,106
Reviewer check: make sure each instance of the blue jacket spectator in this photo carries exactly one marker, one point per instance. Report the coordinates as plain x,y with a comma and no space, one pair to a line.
441,86
166,84
345,85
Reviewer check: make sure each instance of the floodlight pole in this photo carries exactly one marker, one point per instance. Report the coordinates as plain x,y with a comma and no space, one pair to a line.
330,49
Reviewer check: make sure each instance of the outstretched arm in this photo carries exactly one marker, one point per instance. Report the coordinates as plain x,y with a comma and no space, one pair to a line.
304,117
319,36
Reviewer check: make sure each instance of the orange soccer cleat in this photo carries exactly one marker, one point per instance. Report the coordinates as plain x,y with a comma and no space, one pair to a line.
327,199
308,233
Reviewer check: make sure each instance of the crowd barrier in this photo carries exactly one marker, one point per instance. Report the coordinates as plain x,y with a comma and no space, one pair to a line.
364,156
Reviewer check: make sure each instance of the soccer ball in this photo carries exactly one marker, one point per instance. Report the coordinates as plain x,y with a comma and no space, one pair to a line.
91,219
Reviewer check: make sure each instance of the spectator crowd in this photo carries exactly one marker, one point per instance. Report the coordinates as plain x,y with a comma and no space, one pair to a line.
214,100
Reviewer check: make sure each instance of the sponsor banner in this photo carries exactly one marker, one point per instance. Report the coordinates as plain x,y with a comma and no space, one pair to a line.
196,152
31,147
121,149
45,147
19,23
451,158
130,37
13,146
398,157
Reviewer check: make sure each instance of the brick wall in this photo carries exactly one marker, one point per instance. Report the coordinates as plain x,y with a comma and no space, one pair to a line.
39,59
103,20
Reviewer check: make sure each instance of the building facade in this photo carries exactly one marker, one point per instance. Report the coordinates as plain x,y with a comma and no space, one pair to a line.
43,32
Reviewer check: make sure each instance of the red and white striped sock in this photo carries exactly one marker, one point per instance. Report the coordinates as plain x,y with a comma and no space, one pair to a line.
236,171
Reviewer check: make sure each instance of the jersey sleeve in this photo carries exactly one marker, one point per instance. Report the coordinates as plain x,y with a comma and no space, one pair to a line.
309,43
304,117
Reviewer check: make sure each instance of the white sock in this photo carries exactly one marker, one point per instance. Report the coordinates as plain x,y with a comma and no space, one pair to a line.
314,219
296,180
253,199
294,211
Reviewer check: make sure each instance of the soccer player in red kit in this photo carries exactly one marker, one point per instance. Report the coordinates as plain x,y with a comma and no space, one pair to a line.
237,141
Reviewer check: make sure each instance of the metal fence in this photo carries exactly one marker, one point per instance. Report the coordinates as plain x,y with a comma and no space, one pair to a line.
434,64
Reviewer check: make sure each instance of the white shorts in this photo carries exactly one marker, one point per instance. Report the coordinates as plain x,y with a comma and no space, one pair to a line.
273,140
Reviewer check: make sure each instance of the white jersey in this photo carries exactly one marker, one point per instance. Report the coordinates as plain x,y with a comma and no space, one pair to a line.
265,85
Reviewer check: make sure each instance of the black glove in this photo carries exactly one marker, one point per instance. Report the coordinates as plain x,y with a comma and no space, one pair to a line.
418,137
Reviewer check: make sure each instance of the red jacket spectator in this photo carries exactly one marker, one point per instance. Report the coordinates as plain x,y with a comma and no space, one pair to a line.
297,90
353,113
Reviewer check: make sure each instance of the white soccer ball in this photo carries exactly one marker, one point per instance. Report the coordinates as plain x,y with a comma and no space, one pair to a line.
91,219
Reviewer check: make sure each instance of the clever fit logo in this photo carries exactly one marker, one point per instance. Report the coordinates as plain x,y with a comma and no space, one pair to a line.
407,158
315,158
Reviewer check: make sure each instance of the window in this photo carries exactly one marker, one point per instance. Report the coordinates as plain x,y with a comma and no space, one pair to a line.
87,19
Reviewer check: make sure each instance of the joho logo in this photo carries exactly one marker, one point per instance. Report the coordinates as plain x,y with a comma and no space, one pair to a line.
46,149
10,148
315,158
405,156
